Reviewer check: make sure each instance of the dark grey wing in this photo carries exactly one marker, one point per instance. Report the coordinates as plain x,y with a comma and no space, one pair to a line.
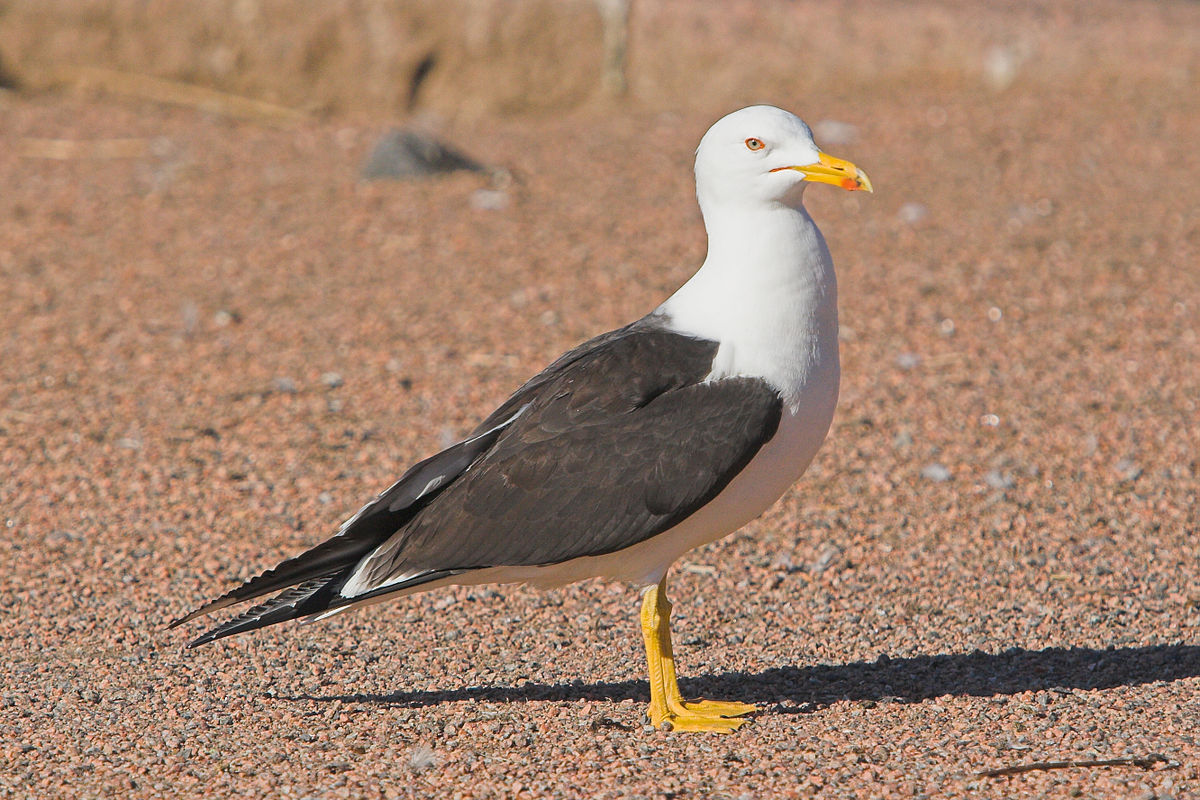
623,429
615,448
314,574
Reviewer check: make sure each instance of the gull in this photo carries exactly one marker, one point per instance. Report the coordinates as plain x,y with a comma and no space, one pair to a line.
633,448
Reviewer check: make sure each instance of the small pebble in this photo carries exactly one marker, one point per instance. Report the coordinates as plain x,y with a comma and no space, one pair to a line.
489,199
284,385
997,479
936,473
912,213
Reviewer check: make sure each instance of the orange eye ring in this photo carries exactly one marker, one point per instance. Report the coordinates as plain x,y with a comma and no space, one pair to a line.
755,144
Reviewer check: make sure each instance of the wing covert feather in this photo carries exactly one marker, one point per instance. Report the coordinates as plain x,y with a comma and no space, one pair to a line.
614,446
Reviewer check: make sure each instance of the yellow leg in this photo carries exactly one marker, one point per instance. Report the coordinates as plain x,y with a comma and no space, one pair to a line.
666,704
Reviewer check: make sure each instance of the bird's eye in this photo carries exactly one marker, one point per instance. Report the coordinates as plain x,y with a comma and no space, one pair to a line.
755,144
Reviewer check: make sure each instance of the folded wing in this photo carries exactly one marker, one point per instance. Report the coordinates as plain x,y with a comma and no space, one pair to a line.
612,444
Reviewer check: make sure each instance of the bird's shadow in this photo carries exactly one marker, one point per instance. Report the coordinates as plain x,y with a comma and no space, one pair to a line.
797,690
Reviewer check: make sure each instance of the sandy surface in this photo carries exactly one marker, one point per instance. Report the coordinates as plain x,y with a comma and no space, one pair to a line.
217,346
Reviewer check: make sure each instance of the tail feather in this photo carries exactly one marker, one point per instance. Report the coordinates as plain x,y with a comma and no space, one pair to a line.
316,599
305,599
369,528
324,559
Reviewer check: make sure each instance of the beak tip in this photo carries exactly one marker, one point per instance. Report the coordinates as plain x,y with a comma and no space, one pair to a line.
837,171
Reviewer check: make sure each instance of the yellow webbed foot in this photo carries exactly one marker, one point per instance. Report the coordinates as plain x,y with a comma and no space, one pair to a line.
667,708
702,724
720,708
702,715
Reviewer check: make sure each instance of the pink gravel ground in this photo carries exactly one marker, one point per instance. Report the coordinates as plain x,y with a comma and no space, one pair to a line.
214,350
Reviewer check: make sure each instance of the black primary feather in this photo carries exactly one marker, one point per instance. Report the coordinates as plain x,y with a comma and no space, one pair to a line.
366,530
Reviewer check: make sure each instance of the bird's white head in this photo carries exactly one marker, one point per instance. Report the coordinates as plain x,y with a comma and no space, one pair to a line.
765,155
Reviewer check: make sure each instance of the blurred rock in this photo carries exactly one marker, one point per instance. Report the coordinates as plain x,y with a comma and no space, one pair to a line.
223,318
1128,470
189,314
402,154
489,199
7,79
422,758
998,480
829,554
614,15
937,473
1000,66
912,213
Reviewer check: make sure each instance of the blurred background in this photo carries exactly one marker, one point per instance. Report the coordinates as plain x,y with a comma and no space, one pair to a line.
470,58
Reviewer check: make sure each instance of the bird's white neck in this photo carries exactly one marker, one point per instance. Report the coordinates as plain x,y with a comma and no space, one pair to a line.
767,293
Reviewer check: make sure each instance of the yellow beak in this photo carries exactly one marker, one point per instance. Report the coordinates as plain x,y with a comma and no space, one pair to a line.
835,171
